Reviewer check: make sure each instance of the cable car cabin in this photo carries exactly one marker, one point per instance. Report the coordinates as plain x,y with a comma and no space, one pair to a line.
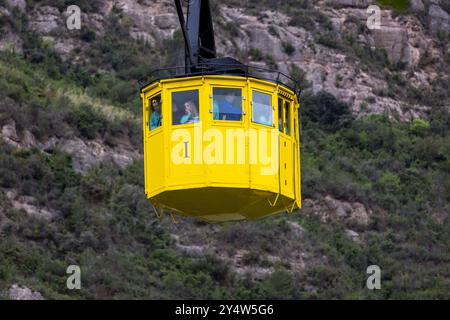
221,147
221,143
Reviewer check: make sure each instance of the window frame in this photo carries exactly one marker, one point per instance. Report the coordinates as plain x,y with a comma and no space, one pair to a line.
179,90
287,121
150,112
270,94
242,99
282,113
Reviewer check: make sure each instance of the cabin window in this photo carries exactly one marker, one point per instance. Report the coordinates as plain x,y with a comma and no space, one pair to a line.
155,116
262,108
280,115
227,104
295,125
287,114
185,107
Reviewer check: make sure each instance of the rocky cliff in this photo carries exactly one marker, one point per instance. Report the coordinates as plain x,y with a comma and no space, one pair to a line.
370,69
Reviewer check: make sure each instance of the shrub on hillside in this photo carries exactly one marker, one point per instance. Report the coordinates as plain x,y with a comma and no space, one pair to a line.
325,109
88,121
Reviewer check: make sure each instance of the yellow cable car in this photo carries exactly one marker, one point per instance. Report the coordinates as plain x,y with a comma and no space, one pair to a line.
221,139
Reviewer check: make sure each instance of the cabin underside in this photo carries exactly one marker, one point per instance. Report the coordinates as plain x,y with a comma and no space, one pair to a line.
215,204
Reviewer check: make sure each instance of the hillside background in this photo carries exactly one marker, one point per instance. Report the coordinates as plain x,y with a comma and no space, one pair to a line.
375,153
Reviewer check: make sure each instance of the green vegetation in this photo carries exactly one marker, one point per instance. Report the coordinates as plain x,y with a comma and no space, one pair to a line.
273,31
445,5
270,62
309,19
47,108
256,54
399,5
328,39
232,29
288,48
299,75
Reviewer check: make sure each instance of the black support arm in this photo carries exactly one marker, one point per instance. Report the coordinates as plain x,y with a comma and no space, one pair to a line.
197,31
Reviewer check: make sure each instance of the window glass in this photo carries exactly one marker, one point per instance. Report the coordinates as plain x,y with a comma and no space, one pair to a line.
155,109
287,113
262,108
280,115
227,104
185,108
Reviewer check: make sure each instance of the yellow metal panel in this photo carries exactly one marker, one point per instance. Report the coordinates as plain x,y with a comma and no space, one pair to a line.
153,141
227,164
145,106
297,153
185,167
287,161
263,144
156,161
286,166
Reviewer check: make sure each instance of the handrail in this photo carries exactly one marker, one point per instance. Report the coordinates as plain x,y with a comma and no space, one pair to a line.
221,69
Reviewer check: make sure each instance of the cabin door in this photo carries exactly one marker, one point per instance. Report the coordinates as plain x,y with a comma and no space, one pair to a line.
286,145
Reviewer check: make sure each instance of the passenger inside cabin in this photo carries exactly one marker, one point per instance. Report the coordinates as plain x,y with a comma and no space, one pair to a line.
156,116
190,113
227,110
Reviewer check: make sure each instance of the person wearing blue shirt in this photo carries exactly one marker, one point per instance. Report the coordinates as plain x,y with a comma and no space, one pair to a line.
226,109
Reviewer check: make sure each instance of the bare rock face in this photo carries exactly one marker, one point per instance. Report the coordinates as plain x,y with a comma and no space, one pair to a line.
17,292
166,21
45,19
352,235
21,4
29,205
297,229
195,241
439,19
392,38
351,3
11,41
330,208
65,46
416,5
403,38
85,154
9,134
152,20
